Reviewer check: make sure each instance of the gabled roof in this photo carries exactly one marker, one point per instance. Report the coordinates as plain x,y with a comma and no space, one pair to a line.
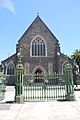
38,21
9,58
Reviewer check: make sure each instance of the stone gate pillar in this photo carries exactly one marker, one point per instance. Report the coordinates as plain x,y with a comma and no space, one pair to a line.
69,83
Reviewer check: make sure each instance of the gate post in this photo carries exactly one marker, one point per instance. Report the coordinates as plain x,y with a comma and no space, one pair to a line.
19,98
69,83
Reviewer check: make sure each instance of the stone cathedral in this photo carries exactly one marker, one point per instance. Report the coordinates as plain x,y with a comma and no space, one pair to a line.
40,53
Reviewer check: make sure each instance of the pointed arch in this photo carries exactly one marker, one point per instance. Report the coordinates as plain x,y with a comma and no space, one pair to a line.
65,63
10,68
38,47
39,68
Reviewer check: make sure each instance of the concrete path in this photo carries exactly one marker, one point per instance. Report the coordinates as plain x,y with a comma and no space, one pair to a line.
53,110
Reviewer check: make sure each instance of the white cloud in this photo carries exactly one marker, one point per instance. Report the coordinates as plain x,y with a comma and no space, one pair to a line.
9,4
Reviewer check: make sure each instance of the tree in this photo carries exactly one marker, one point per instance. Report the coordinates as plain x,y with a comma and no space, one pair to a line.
76,57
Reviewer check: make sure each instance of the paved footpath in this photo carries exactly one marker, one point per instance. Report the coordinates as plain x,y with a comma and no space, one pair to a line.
52,110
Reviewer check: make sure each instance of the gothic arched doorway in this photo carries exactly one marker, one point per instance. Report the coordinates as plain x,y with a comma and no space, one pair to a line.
39,74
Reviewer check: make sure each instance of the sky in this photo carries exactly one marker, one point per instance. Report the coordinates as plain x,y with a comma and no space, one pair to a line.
61,16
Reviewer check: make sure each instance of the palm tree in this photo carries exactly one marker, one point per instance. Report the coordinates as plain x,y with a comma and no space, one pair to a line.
76,57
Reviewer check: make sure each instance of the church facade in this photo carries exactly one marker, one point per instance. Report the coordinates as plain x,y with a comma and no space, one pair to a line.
40,53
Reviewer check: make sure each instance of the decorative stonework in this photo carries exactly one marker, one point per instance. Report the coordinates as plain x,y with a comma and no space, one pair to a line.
26,68
50,68
38,47
39,67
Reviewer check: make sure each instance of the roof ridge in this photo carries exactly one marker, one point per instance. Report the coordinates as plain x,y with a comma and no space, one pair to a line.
38,18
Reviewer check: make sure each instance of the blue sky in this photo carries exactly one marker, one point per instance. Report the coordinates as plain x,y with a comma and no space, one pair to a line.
61,16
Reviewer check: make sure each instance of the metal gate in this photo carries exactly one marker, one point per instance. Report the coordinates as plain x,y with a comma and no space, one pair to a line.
44,87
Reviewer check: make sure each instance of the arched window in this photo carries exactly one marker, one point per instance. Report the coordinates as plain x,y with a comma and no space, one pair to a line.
38,47
10,69
64,65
